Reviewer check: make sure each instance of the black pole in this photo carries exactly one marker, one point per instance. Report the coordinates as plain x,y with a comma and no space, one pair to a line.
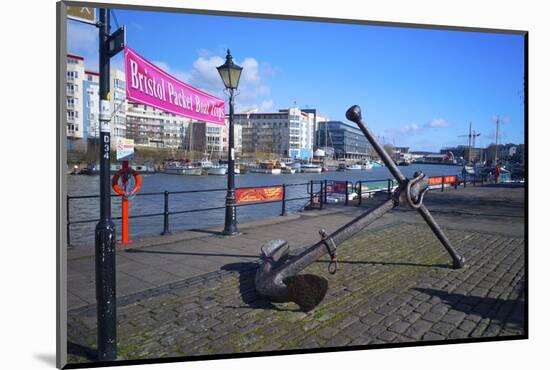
166,230
311,193
105,237
283,205
360,192
442,183
321,194
68,223
346,194
230,201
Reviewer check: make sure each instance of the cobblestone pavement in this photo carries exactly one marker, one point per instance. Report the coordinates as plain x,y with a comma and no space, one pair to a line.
394,285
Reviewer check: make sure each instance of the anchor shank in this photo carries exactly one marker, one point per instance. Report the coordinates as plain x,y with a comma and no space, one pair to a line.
384,156
345,232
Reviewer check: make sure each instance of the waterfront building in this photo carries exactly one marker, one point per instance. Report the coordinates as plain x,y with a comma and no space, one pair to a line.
209,138
83,104
289,132
317,119
238,137
118,105
75,129
346,139
154,128
90,106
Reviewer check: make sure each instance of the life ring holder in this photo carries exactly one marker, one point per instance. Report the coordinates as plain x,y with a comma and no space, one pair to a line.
126,173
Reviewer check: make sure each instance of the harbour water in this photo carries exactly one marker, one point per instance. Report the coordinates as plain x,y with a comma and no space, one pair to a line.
85,209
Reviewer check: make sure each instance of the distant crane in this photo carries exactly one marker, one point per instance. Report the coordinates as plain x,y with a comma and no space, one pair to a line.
471,141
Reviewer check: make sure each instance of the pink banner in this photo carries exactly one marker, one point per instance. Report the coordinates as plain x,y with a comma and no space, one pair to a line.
148,84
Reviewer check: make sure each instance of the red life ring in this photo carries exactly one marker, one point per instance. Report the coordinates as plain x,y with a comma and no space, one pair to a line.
126,172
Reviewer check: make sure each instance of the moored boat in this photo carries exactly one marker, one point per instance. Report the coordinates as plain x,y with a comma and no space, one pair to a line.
267,167
217,170
176,168
310,168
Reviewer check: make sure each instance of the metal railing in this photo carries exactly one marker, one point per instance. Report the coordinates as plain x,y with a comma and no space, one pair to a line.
167,210
317,196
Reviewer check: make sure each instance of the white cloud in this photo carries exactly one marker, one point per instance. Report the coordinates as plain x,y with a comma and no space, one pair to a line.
437,123
408,129
161,65
253,92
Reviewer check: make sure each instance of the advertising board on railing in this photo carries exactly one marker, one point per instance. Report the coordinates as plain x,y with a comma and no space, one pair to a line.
147,84
258,195
436,181
337,187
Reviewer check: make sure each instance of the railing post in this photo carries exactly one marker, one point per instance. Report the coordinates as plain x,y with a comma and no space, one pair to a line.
442,183
321,195
474,179
389,187
68,223
465,180
326,182
311,193
360,192
166,230
346,194
456,182
283,203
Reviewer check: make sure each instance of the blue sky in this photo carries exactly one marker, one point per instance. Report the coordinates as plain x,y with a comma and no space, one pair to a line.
417,88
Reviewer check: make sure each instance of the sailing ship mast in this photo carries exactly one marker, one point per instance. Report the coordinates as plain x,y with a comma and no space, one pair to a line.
496,140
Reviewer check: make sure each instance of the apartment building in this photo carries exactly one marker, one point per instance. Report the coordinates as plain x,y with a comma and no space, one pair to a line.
289,132
75,76
90,105
118,104
151,127
209,138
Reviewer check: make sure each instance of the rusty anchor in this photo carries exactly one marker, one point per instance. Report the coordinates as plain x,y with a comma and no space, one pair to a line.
278,278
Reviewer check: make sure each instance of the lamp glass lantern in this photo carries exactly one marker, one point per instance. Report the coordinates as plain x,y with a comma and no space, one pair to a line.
230,72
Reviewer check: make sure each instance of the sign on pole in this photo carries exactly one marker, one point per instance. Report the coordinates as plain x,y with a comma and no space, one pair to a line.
148,84
82,14
125,149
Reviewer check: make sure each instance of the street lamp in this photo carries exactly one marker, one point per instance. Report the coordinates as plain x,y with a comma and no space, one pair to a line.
230,74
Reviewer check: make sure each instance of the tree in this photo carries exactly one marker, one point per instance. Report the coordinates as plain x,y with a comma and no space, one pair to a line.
389,149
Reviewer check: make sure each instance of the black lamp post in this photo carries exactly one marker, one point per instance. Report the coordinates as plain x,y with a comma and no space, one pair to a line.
230,74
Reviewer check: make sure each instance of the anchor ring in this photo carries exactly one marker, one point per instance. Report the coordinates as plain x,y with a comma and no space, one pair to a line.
410,183
332,267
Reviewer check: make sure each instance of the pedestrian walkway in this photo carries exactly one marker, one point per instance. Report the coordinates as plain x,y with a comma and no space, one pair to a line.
193,293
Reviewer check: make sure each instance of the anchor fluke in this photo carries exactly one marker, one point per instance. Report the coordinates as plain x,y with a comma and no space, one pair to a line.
306,290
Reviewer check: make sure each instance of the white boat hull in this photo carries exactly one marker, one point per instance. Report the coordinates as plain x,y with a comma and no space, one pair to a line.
268,171
184,171
220,171
311,169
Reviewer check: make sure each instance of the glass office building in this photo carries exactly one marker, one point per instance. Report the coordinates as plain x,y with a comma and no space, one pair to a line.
346,139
